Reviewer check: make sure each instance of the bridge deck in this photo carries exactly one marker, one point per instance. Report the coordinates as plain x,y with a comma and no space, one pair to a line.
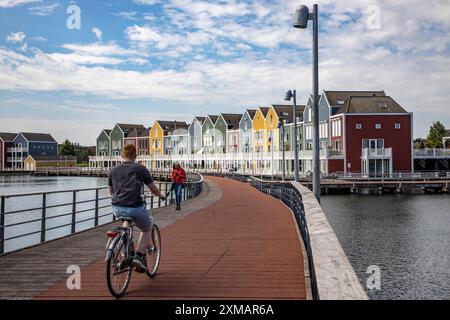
232,242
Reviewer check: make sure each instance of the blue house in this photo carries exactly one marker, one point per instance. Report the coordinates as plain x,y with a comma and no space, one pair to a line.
35,144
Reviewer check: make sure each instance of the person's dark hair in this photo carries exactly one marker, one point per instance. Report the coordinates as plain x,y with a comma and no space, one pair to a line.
129,152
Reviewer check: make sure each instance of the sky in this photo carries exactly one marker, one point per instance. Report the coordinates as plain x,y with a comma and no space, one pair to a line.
72,68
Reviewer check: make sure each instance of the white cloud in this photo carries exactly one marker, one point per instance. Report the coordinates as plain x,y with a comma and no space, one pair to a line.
15,3
43,10
127,15
146,2
98,34
15,37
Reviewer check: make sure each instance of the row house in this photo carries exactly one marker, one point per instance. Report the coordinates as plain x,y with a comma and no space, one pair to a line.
209,134
6,142
104,143
25,144
139,137
118,135
195,134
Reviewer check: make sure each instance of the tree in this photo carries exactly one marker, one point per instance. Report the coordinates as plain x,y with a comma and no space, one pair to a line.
67,149
84,154
435,135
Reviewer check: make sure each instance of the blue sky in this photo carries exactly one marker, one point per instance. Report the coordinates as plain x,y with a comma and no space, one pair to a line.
138,61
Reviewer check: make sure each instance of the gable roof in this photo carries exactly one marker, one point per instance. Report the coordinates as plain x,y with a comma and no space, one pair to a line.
264,111
128,128
7,137
200,119
334,96
138,132
287,112
371,104
170,126
232,120
251,113
107,131
213,118
44,137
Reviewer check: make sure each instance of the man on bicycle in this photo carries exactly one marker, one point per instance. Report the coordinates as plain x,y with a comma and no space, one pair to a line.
125,186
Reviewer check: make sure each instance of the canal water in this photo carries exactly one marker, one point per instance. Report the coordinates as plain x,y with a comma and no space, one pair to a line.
407,236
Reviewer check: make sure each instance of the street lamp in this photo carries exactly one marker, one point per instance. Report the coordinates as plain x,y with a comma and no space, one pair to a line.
283,169
301,18
293,95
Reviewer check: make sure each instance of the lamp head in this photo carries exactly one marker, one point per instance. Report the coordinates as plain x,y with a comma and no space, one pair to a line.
288,95
301,17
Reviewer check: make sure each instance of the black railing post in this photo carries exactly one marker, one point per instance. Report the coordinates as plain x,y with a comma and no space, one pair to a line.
74,211
44,209
159,199
2,225
165,189
151,201
96,208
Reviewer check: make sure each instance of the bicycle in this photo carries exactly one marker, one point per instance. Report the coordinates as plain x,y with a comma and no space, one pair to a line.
120,253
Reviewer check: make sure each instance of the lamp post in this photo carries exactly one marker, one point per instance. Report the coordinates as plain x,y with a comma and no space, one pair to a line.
283,164
292,95
301,18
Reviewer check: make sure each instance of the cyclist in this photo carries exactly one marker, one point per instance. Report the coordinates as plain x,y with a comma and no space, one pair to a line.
125,182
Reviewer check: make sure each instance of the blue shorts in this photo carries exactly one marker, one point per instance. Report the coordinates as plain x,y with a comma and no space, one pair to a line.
142,217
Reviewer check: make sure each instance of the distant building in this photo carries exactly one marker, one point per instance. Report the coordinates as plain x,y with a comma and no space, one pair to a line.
195,135
35,144
36,162
6,142
118,135
139,137
104,143
446,140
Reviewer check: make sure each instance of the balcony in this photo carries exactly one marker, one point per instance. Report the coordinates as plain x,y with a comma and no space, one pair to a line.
376,153
18,150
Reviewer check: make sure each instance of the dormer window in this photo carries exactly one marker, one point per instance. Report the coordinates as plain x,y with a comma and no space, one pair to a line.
382,105
340,102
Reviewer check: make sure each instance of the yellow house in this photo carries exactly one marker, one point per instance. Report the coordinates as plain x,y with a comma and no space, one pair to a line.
156,140
272,130
259,130
36,162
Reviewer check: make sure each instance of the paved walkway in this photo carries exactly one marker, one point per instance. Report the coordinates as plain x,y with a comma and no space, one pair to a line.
233,243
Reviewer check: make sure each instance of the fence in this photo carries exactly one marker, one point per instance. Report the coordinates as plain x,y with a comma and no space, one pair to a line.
33,218
292,198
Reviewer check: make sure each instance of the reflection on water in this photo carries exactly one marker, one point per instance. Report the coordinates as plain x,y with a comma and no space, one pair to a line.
407,236
58,218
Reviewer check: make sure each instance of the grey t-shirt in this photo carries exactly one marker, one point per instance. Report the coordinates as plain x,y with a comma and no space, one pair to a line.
127,180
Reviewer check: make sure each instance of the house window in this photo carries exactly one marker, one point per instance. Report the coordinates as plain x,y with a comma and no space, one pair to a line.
271,121
358,126
397,126
377,125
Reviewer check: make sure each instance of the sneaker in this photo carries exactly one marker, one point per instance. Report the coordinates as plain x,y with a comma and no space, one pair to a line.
139,263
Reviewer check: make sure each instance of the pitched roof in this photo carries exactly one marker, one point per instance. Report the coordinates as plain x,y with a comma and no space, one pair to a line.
340,96
170,126
251,112
287,112
127,128
232,120
44,137
107,131
371,105
138,132
7,137
200,119
264,110
53,158
213,118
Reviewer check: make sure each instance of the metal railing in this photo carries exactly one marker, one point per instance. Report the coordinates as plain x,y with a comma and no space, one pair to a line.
32,218
292,198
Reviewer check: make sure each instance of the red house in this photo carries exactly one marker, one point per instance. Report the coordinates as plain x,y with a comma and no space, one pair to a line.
371,135
6,142
139,137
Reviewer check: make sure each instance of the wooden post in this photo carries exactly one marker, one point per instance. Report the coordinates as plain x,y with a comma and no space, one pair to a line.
44,208
2,225
74,211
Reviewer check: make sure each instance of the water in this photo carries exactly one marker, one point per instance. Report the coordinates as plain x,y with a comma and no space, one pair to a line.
407,236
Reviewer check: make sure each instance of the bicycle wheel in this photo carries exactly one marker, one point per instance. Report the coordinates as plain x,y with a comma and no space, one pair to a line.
154,252
118,269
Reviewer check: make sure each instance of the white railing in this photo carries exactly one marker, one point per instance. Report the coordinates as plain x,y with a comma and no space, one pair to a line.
376,153
17,149
431,152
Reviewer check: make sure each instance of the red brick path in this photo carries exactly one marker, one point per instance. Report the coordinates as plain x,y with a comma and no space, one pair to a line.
245,246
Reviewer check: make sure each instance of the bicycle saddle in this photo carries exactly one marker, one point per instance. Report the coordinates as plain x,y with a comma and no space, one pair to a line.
128,219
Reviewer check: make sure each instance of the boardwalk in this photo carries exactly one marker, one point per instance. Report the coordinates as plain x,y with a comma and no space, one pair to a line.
232,242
